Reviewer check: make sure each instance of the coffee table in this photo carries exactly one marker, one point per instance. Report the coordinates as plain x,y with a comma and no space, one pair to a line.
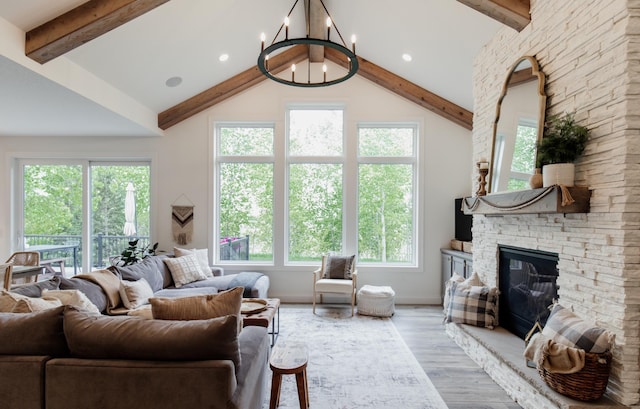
267,318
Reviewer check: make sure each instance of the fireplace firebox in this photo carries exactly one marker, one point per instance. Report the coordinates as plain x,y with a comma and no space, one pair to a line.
527,283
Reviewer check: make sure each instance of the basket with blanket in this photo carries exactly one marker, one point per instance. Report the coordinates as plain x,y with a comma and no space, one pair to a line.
572,356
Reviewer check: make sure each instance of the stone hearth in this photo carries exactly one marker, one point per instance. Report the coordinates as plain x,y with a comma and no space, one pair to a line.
499,353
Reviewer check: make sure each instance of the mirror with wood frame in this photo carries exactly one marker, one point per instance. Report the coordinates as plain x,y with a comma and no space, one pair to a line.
518,127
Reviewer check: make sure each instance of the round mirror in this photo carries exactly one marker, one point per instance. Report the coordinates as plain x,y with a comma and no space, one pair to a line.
518,127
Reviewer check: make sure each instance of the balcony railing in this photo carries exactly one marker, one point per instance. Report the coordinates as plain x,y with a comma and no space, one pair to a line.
106,246
234,248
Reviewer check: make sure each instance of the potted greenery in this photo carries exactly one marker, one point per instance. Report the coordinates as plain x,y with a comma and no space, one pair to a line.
133,254
562,143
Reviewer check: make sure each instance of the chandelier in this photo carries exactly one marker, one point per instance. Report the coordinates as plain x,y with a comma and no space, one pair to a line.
351,60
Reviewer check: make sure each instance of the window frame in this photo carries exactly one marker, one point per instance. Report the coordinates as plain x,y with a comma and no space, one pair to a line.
350,160
86,162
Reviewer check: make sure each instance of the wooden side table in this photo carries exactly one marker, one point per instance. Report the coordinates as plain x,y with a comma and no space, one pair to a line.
270,317
289,358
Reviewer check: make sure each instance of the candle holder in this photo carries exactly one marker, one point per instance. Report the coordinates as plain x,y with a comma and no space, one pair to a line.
483,169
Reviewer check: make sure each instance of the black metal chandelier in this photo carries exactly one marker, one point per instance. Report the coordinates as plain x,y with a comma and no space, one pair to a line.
349,54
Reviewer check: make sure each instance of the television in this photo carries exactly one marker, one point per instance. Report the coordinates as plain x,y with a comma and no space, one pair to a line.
463,222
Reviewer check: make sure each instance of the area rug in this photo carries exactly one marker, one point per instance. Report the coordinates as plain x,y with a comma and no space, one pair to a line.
354,362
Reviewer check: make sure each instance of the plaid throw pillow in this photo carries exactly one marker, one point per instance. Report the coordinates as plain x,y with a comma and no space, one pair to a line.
477,305
566,328
339,267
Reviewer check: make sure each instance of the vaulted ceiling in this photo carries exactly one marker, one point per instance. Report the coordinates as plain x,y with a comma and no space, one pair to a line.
101,67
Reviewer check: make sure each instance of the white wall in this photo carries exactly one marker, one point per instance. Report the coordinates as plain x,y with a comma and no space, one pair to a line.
182,163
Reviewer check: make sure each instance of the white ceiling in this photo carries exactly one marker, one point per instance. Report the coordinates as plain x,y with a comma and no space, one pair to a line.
185,38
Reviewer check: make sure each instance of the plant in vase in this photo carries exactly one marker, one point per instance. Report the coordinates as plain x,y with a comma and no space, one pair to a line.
562,143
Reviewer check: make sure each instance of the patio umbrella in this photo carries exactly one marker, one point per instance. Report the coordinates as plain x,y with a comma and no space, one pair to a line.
130,211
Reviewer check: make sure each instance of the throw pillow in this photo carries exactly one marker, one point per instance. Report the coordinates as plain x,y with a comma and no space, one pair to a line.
135,293
472,280
199,307
75,298
455,278
9,299
143,312
151,268
36,304
185,270
35,289
93,291
201,254
566,328
34,333
340,267
476,305
122,337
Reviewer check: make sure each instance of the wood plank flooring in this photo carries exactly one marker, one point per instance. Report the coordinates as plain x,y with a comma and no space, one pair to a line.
459,380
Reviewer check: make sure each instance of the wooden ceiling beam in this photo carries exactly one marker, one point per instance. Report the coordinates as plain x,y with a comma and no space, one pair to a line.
294,55
514,13
82,24
316,27
230,87
406,89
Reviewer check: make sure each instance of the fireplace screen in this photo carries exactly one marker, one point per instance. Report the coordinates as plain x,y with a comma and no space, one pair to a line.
527,282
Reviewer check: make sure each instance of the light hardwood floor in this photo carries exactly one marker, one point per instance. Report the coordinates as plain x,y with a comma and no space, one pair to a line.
459,380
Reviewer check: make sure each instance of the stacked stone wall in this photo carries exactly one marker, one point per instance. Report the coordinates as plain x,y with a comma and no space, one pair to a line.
589,51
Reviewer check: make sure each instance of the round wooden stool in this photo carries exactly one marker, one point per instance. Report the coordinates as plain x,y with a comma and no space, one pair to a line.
289,358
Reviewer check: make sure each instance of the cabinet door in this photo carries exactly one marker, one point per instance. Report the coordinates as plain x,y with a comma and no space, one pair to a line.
458,266
468,268
446,270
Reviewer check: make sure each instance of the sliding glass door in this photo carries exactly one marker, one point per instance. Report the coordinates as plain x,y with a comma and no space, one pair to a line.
83,212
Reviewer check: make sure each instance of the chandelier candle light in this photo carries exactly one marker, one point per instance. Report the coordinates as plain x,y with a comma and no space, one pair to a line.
349,54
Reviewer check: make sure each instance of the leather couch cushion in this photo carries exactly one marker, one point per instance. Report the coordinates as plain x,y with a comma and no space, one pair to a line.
122,337
34,333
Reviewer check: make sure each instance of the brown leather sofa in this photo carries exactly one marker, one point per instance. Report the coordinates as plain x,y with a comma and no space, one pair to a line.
65,358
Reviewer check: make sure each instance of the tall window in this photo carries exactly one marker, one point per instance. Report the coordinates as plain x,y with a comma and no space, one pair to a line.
54,217
315,190
245,195
386,194
315,160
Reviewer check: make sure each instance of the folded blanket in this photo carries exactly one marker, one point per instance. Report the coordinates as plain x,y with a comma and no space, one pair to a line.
110,284
554,357
246,280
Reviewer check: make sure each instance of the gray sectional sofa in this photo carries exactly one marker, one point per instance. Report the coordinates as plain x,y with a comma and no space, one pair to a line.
155,272
63,358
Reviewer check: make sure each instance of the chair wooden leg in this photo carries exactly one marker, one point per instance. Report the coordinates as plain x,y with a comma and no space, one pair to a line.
353,301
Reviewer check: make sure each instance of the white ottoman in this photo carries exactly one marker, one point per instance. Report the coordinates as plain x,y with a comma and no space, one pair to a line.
378,301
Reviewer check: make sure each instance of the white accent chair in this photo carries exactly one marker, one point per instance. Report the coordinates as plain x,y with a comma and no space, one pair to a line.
334,285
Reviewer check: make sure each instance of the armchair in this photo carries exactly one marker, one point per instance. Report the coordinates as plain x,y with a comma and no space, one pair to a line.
337,275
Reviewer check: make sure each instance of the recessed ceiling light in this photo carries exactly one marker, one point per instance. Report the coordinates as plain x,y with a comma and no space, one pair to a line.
223,57
173,82
407,57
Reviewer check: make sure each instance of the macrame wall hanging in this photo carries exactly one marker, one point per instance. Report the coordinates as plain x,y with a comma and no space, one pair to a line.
182,221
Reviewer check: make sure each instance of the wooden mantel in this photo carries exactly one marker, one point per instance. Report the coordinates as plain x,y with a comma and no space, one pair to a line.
535,201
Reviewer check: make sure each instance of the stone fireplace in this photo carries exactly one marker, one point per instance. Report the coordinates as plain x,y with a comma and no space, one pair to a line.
589,51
